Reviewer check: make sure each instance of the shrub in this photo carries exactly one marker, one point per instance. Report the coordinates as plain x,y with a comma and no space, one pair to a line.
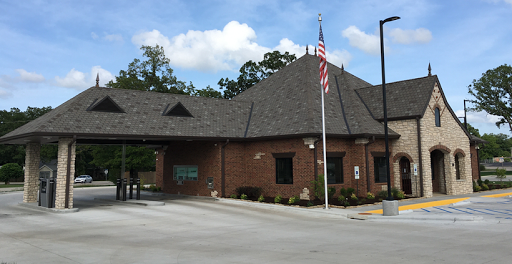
487,181
370,195
293,199
400,195
250,191
482,167
350,191
261,198
343,192
243,196
346,204
476,187
330,192
363,201
10,171
394,191
479,182
278,199
501,174
233,196
318,187
341,198
309,204
354,197
506,159
383,194
485,187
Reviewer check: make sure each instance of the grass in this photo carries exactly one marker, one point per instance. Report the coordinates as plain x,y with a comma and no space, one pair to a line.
10,185
493,172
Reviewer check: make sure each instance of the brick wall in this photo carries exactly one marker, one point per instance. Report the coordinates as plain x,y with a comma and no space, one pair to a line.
252,164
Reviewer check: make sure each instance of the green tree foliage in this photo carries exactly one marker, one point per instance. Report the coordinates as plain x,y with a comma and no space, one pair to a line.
9,121
473,131
152,74
252,73
10,171
109,157
498,146
493,93
208,92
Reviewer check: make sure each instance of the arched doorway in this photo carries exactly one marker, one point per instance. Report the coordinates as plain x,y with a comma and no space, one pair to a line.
405,175
438,172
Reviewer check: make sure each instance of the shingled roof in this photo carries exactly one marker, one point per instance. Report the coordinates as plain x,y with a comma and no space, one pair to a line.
142,115
405,99
289,103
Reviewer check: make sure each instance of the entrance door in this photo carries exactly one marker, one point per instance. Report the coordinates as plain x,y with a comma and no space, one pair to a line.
437,166
405,172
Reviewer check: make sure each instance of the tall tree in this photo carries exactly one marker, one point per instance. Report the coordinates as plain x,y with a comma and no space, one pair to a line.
252,73
9,121
493,93
152,74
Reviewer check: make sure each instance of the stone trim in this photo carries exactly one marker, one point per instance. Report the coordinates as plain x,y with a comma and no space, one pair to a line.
457,151
440,147
402,154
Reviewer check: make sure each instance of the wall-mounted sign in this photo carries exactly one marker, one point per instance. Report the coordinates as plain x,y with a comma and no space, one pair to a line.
415,169
356,172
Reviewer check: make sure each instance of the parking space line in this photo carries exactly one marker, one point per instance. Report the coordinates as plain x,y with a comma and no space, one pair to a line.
443,210
479,211
423,205
497,211
460,210
497,195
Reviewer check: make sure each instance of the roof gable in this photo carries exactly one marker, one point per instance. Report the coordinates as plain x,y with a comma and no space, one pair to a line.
105,105
177,110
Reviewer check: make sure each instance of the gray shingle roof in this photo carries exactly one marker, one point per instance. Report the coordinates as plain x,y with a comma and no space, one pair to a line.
144,117
289,103
405,99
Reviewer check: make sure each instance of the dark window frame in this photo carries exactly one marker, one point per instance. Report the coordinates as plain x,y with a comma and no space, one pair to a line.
284,167
437,113
379,168
337,159
457,167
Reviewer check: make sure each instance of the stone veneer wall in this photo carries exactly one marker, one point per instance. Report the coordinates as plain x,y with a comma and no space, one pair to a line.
62,166
406,144
449,137
32,158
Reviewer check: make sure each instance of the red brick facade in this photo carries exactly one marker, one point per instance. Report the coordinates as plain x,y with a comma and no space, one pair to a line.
474,162
253,164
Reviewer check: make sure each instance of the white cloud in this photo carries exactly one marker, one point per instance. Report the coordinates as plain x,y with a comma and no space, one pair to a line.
508,2
114,37
420,35
368,43
79,80
478,117
5,94
94,35
30,76
226,49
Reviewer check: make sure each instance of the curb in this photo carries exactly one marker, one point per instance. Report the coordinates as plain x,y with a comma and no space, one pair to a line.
34,206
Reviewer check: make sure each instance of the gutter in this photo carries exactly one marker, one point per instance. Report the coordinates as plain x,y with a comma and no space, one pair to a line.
223,169
368,163
68,173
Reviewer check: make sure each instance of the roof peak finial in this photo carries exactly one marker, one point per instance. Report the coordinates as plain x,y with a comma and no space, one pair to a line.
307,51
429,70
342,68
315,51
98,80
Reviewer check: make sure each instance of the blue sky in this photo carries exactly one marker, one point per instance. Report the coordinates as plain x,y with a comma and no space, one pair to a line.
52,50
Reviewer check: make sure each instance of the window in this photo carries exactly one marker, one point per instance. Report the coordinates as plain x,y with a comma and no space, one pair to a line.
438,117
379,168
334,170
185,173
457,167
284,171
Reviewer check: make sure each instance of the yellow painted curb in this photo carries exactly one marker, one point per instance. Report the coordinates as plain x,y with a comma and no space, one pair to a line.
497,195
423,205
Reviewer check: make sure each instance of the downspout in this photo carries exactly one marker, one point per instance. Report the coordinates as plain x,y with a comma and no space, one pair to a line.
368,163
223,170
419,155
315,160
68,173
478,160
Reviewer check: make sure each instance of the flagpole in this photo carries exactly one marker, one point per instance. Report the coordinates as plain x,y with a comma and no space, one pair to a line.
323,129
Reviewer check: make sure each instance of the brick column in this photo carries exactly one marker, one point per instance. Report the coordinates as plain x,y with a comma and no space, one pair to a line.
62,167
32,158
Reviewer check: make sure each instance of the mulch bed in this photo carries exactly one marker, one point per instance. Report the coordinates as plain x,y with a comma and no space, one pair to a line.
317,202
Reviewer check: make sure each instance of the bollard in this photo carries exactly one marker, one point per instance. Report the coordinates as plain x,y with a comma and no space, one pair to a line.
131,188
49,193
138,188
118,191
124,189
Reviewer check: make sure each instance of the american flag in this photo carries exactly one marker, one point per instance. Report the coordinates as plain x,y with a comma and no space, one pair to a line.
324,80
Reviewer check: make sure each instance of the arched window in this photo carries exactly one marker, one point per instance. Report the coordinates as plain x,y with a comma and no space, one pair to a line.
438,117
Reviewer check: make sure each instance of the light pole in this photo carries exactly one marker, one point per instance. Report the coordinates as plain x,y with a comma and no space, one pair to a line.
465,118
386,136
390,207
